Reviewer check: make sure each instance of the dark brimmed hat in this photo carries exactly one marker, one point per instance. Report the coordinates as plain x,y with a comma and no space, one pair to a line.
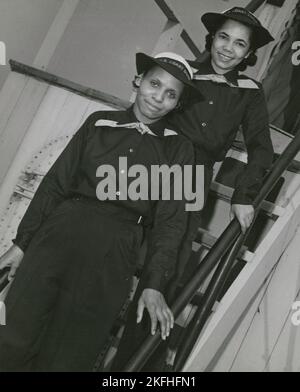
171,62
213,20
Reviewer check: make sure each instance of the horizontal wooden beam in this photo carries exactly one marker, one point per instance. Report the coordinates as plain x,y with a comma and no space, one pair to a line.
68,85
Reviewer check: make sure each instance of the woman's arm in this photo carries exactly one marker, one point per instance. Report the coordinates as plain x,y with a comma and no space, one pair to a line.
260,156
169,226
256,132
54,187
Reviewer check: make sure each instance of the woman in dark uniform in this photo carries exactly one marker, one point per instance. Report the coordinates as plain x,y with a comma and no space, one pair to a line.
75,255
231,101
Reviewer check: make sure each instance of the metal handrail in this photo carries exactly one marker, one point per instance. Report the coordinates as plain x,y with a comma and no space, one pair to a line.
221,274
211,295
222,246
225,247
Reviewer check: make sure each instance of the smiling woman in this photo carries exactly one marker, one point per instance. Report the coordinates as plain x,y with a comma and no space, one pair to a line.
62,319
159,92
231,101
231,44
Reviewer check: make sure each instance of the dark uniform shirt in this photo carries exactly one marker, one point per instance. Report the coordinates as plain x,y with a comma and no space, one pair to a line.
74,173
212,124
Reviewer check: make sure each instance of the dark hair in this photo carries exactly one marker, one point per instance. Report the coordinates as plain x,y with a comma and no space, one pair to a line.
250,61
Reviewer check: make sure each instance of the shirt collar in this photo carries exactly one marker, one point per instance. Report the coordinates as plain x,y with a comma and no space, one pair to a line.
157,127
206,68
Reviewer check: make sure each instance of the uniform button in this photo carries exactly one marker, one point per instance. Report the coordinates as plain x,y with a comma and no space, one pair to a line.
204,124
118,193
211,102
131,150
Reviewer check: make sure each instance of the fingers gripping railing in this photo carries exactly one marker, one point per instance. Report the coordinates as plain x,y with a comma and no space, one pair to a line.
223,246
211,295
221,274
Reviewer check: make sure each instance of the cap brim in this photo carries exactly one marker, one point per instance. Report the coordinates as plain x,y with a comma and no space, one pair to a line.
145,62
212,21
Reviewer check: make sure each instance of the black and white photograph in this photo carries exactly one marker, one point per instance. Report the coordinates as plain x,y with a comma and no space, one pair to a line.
149,189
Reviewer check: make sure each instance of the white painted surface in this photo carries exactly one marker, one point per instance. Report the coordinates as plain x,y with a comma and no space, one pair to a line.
266,339
50,112
21,96
55,33
262,337
168,38
276,20
286,354
245,287
23,27
97,44
25,105
227,352
98,48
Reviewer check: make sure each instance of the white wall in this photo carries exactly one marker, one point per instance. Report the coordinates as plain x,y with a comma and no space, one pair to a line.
103,36
98,47
23,26
99,44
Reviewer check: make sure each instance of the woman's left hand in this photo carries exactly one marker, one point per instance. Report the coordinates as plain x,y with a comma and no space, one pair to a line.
244,214
158,309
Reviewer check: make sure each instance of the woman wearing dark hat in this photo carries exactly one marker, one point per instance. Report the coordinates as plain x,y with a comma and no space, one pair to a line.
245,28
231,101
74,254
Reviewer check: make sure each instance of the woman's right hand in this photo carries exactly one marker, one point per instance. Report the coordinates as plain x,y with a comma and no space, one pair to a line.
11,258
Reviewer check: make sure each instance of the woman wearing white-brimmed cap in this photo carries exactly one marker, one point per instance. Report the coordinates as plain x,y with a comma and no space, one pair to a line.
231,101
75,252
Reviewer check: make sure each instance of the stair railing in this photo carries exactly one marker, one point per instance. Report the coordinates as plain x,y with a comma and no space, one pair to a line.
228,244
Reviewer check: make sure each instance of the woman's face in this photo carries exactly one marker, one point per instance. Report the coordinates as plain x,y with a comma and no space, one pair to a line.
231,44
158,94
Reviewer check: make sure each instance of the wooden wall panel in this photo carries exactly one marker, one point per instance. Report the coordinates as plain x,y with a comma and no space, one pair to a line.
273,311
245,287
47,117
